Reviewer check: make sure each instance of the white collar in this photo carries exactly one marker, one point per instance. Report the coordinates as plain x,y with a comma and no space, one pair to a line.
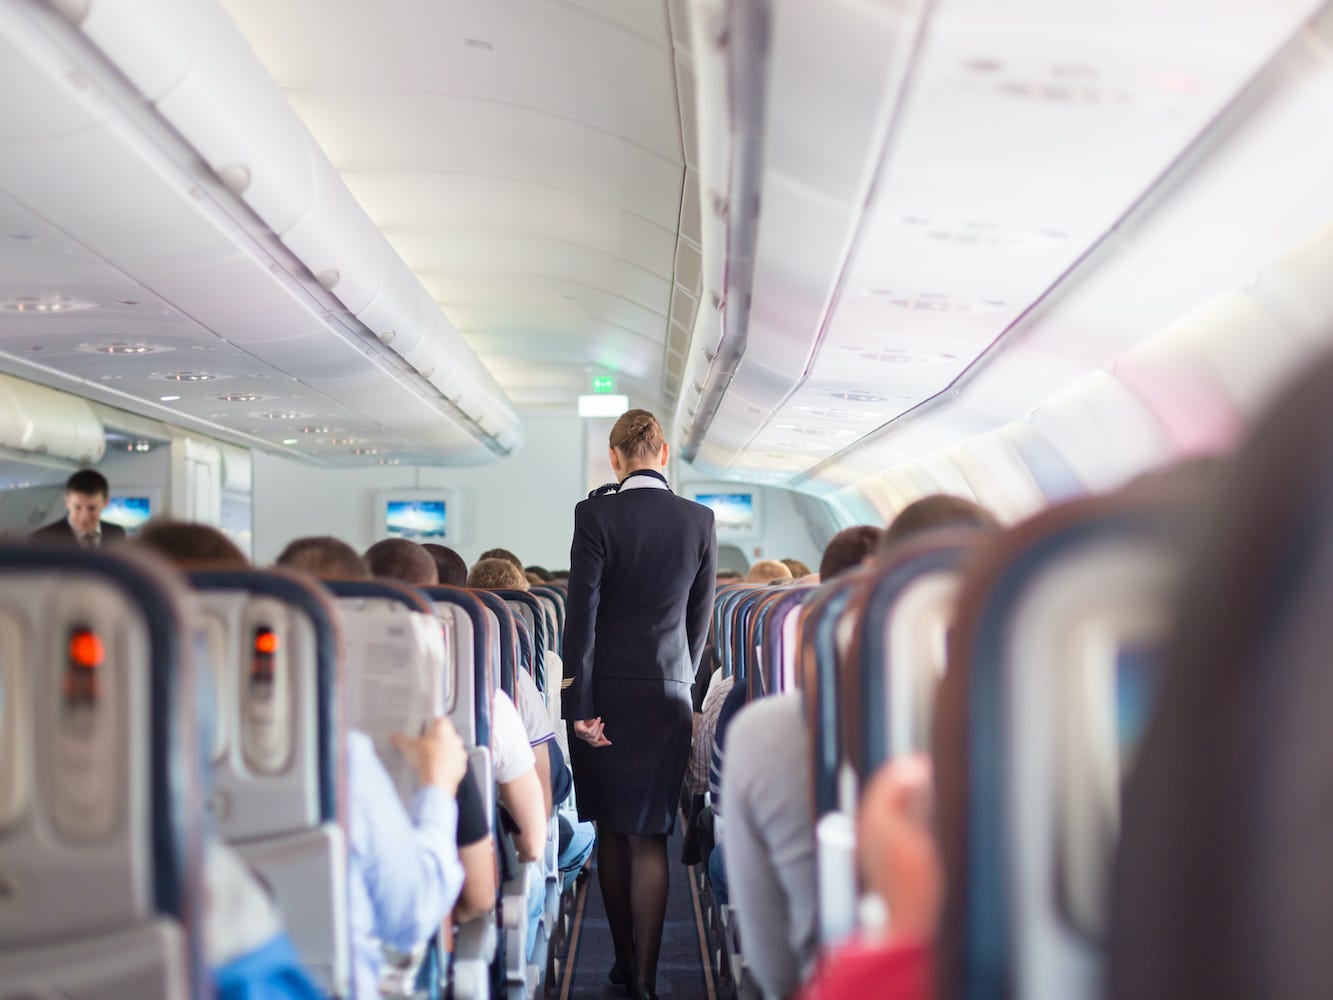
95,533
652,481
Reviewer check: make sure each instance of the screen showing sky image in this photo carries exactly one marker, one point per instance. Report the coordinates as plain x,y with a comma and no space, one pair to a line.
415,520
733,511
129,512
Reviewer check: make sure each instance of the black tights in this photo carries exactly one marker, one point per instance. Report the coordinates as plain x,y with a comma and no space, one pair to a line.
632,870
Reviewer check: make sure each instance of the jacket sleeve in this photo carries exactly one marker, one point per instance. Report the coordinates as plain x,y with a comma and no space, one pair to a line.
699,610
587,555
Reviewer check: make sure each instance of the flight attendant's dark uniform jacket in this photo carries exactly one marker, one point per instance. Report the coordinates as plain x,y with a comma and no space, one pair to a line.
642,572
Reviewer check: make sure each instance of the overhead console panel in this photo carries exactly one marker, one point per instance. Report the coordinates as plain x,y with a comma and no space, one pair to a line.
938,227
195,245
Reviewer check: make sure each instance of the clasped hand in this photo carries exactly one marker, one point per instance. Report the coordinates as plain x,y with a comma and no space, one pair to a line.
592,731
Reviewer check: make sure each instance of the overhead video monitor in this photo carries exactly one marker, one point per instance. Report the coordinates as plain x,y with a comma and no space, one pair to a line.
416,520
737,511
131,512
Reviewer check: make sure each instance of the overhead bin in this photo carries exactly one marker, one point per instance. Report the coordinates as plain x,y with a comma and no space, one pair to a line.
44,421
193,64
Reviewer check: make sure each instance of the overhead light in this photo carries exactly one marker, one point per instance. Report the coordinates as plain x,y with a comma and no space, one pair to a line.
602,405
280,415
168,399
291,440
186,376
316,430
123,347
43,304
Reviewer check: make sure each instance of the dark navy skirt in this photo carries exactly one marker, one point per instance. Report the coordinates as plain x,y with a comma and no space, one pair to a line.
633,786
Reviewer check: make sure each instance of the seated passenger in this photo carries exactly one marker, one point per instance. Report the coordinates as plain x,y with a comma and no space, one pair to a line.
327,558
450,567
493,573
770,843
504,554
767,571
577,838
402,560
541,572
900,862
797,568
729,576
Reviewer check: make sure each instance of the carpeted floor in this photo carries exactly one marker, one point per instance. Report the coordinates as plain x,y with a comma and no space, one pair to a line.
680,974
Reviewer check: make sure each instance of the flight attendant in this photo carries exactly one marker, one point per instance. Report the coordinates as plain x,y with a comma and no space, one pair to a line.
641,583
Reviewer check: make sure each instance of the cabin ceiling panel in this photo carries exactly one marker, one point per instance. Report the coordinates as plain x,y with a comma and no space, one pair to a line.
476,204
448,265
525,159
538,54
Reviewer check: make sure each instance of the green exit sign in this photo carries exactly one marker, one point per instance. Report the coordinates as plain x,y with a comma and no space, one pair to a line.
603,384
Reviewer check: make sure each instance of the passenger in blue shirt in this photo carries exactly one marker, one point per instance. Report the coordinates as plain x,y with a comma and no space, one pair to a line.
404,870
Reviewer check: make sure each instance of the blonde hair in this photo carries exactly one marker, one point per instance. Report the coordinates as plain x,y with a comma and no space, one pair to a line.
636,435
768,570
496,574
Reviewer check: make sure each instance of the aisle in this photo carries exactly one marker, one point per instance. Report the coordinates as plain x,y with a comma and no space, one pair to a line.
680,974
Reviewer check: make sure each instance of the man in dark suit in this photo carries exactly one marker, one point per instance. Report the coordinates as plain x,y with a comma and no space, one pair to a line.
86,496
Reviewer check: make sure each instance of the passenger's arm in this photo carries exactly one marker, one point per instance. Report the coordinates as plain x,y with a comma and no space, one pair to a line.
586,557
479,880
413,872
699,609
543,766
522,797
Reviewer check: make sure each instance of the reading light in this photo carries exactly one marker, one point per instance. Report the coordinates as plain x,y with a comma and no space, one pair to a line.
602,405
86,649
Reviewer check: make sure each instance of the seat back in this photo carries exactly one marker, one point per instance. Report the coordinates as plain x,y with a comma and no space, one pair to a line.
781,641
899,654
467,631
100,780
1221,885
506,639
1056,636
277,774
398,676
826,630
553,601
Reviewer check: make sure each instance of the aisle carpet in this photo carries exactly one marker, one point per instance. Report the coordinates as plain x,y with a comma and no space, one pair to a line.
680,974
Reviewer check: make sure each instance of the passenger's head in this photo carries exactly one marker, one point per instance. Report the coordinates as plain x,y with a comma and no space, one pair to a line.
560,575
496,574
937,511
504,554
402,560
325,558
450,567
637,442
848,549
86,495
797,567
191,546
729,575
766,571
541,572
